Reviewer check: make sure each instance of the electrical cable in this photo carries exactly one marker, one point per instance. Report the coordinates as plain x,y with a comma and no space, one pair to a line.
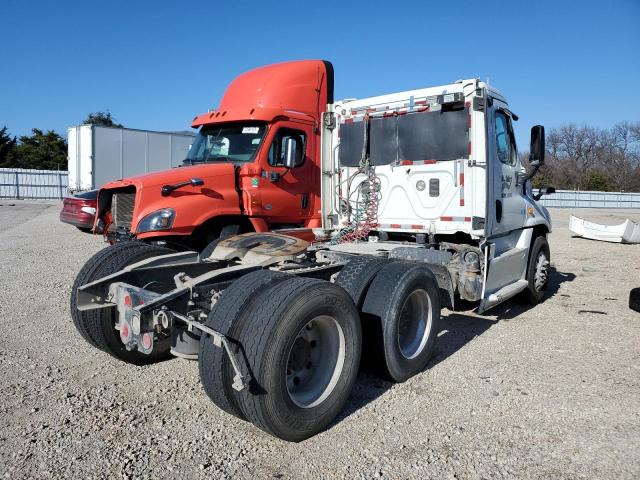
365,206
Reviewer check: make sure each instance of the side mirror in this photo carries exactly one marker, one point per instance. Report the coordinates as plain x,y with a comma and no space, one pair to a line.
544,191
196,182
536,155
290,150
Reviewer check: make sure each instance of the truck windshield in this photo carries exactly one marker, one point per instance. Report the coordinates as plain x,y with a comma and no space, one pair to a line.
226,143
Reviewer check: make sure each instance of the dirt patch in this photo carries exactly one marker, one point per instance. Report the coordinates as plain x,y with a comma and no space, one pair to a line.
545,392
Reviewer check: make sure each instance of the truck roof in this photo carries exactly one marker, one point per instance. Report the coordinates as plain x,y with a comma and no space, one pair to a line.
294,89
418,94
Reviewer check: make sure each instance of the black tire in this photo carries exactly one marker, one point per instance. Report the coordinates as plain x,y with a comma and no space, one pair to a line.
97,326
401,288
634,299
533,294
229,315
226,231
357,275
279,320
90,271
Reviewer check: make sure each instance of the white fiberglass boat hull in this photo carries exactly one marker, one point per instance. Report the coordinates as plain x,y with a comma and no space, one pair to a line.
627,232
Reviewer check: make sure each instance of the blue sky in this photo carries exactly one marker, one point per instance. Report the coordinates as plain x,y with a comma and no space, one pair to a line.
155,65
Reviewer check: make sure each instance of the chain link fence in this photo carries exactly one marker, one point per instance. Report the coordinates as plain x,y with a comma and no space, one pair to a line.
53,185
578,199
33,184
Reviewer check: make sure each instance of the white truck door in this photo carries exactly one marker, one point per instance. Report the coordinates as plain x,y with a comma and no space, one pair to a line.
507,207
507,243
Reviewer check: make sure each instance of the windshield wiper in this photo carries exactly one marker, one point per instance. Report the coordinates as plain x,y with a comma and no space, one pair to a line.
193,161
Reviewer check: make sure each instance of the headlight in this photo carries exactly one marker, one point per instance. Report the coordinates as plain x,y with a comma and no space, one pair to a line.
158,220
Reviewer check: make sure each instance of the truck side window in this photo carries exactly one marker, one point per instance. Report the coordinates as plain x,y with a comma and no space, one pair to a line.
276,151
505,143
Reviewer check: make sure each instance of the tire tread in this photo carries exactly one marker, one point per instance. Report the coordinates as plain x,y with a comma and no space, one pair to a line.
215,371
90,323
357,275
256,338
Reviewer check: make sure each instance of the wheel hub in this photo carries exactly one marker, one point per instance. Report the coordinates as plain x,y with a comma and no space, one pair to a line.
542,270
300,355
315,361
415,323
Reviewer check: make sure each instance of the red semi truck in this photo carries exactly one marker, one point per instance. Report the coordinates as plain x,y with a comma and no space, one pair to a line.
234,179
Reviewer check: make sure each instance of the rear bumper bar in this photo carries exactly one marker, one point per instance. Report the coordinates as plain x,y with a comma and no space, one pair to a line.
138,332
240,380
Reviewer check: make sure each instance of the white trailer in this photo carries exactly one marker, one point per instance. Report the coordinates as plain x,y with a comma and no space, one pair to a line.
98,155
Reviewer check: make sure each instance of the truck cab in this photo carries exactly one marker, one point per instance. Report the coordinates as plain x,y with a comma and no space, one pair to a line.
438,167
235,177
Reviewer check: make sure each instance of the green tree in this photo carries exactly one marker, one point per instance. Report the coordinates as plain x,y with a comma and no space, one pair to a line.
103,119
45,151
597,181
7,144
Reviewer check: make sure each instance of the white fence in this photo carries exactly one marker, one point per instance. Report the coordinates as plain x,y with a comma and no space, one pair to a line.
577,199
36,184
53,184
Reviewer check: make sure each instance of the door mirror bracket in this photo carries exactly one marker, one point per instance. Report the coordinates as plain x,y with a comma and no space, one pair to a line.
544,191
274,177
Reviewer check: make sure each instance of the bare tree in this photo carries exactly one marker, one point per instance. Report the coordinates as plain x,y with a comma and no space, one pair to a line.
619,155
582,157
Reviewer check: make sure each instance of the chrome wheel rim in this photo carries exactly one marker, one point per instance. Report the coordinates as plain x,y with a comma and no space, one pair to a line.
315,361
542,269
415,324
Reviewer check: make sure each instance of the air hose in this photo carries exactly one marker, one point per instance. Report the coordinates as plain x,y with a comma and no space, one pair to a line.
365,208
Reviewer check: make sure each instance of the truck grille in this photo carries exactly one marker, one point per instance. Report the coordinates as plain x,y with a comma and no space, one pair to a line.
122,204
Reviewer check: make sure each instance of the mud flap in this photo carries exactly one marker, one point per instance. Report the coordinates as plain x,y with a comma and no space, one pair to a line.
445,284
439,269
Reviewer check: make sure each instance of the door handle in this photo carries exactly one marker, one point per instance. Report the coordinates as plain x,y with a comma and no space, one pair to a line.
305,200
498,211
274,177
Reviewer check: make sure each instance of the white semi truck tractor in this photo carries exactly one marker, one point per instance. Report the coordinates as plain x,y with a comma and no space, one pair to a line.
424,202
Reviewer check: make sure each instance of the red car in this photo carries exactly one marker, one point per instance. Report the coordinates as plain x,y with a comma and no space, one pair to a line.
80,210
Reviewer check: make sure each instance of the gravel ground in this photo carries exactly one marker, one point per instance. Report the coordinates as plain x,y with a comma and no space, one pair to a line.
545,392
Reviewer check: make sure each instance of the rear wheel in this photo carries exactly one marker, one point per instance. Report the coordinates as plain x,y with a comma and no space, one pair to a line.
357,275
229,315
97,327
303,348
92,270
401,316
